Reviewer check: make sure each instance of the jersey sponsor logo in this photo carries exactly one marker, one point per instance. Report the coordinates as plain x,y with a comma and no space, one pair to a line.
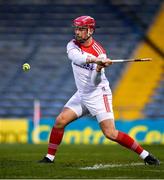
85,66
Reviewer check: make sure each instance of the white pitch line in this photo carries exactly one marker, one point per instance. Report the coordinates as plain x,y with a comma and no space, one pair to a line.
101,166
154,170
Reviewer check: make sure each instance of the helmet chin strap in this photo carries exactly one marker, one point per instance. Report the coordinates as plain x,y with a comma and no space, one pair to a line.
89,33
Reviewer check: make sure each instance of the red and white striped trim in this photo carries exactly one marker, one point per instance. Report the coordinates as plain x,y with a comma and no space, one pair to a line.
97,48
106,102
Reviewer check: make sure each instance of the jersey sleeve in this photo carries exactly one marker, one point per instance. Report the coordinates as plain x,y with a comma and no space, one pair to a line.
102,56
75,54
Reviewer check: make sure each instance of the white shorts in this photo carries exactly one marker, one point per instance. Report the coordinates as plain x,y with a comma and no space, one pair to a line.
98,103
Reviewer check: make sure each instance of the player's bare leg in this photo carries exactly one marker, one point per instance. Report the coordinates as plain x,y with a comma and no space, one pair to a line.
57,132
109,130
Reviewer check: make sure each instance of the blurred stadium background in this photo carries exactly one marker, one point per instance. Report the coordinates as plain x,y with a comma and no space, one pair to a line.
37,31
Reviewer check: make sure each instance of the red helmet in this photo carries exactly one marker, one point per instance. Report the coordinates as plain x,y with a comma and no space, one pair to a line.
85,21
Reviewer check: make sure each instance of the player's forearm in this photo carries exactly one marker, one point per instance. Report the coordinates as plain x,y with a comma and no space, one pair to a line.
99,68
77,57
99,61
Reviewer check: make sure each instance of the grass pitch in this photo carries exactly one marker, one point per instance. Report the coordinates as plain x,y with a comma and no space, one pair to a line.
78,161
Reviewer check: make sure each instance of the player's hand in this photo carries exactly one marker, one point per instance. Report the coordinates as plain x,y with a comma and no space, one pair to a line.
104,62
99,67
107,62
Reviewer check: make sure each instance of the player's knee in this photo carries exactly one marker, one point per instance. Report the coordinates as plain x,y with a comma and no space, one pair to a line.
111,134
60,121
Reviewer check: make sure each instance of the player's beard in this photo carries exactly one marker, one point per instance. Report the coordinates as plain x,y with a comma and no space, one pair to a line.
81,40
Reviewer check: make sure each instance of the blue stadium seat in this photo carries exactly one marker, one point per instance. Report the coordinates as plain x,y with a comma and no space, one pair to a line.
38,32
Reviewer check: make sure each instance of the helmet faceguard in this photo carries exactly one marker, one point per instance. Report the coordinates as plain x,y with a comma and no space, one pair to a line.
85,22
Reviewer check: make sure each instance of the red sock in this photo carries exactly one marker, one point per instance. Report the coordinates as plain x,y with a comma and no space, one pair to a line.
126,141
55,139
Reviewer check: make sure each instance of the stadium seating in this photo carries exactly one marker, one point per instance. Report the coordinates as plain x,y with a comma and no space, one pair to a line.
155,108
37,32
